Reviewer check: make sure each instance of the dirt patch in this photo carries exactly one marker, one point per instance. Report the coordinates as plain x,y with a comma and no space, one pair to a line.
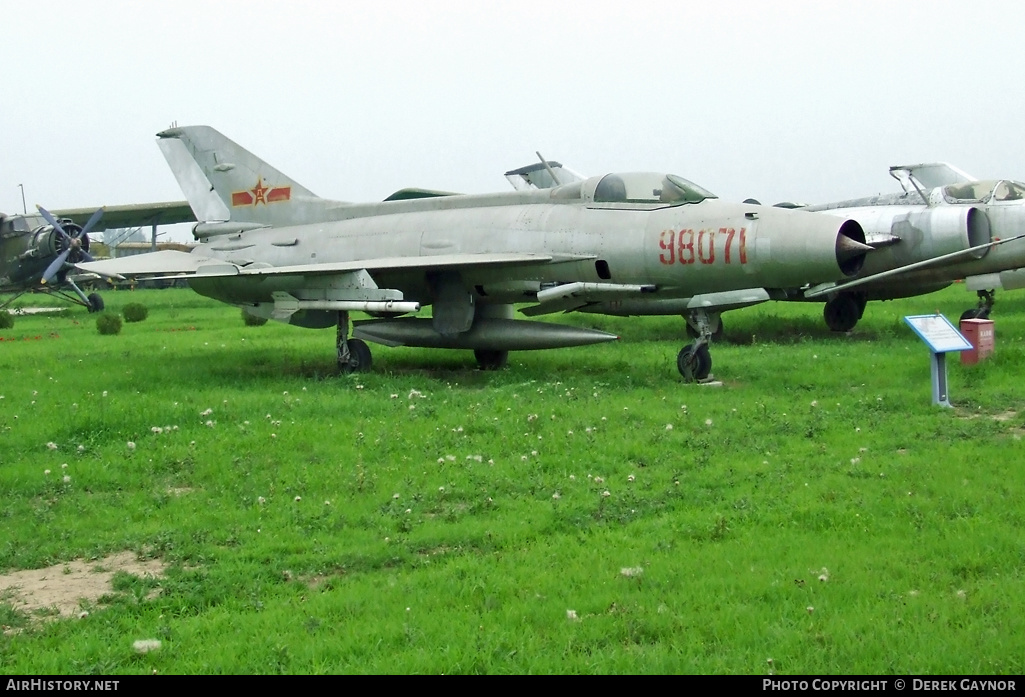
59,589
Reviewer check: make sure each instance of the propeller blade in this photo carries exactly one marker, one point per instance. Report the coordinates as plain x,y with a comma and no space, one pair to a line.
50,219
92,221
55,265
86,256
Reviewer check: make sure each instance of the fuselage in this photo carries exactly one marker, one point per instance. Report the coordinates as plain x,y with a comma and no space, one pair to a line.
683,248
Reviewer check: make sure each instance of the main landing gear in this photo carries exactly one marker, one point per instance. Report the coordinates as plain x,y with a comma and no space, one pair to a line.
353,354
694,361
843,311
491,360
987,298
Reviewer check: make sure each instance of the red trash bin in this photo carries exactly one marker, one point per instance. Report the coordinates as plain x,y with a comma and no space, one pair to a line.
979,333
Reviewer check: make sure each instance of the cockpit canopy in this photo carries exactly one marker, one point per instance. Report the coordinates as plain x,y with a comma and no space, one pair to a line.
986,191
636,188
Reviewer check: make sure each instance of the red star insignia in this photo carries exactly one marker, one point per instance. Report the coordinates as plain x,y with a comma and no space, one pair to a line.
259,192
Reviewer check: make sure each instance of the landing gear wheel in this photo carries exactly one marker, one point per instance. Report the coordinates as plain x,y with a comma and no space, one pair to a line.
491,360
95,303
359,358
694,363
842,313
976,313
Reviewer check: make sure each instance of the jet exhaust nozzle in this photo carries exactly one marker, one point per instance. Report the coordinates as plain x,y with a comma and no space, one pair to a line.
851,248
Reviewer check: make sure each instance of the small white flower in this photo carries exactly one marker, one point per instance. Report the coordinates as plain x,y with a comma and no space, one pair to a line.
669,427
104,393
46,471
157,429
810,609
207,412
708,422
631,478
210,424
64,466
67,479
441,489
81,448
395,496
83,614
260,500
556,496
631,571
298,499
605,494
855,460
51,445
571,615
131,445
599,480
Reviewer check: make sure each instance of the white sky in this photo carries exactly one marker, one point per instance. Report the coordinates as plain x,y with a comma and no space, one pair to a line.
799,100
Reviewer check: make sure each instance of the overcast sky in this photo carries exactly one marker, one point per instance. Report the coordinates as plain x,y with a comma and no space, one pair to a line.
801,101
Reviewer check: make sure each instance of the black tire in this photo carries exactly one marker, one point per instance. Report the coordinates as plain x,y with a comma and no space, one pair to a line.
976,313
95,303
841,313
694,364
491,360
360,358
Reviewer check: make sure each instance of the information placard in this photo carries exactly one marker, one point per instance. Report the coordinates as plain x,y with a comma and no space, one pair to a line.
938,333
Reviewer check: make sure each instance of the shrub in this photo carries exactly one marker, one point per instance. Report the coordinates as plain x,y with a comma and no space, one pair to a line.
6,319
108,323
252,320
135,312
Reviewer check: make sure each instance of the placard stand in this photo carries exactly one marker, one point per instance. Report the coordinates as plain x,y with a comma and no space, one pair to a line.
942,338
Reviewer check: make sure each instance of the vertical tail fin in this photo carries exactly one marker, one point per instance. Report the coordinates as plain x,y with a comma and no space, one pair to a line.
224,181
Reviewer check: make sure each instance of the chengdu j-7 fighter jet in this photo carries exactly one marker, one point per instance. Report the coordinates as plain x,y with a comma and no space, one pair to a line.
271,246
937,231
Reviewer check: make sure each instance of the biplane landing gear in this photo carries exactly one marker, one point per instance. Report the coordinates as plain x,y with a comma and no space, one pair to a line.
491,360
695,362
95,302
353,354
987,298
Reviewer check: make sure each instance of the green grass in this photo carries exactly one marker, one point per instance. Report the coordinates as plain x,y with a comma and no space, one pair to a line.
428,517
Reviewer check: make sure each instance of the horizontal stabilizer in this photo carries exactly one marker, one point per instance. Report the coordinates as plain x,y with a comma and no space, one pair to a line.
166,262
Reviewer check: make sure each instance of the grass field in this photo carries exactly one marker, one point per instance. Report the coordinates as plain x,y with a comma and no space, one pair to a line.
583,511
